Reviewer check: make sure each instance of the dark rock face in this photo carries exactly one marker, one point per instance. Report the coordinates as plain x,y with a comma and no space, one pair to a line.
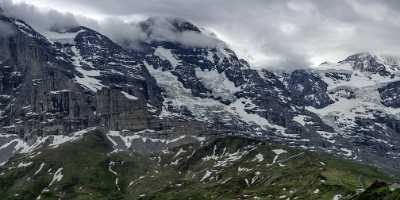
117,111
187,76
307,88
43,88
390,94
38,94
269,94
127,95
117,68
338,76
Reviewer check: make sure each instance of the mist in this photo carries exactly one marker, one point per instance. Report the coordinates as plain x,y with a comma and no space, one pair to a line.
126,33
285,34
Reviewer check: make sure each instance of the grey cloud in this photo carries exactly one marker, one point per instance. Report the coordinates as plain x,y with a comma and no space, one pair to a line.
285,34
44,20
162,29
125,33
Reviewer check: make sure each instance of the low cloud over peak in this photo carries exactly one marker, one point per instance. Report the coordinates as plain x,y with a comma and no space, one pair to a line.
283,34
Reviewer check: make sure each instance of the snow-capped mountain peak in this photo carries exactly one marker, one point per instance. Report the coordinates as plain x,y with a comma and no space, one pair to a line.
95,81
179,32
368,63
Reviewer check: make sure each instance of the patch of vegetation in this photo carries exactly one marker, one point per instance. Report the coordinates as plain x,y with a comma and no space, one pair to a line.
379,191
223,168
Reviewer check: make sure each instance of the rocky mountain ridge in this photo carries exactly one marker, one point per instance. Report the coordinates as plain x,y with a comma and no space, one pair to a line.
60,82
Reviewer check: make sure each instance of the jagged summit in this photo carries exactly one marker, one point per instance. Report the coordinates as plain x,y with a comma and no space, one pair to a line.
366,62
177,31
174,24
82,78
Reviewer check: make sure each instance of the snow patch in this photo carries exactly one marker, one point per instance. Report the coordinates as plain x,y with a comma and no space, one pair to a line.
206,176
24,164
238,108
178,97
128,96
218,83
347,152
259,158
88,80
301,119
337,197
181,151
57,176
40,169
277,153
166,54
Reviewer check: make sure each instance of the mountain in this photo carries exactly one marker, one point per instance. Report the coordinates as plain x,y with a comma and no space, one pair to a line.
364,109
221,168
52,88
343,108
83,117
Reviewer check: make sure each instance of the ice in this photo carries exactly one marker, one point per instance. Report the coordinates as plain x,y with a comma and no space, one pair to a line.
128,138
131,97
259,158
181,151
166,54
226,158
206,176
327,135
22,164
301,119
110,164
347,152
20,146
343,114
243,169
110,168
238,108
277,153
177,96
40,169
218,83
57,176
60,139
337,197
88,79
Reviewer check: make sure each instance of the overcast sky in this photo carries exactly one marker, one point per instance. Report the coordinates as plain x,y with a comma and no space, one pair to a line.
270,33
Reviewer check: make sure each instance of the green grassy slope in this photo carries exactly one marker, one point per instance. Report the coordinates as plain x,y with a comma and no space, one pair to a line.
224,168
